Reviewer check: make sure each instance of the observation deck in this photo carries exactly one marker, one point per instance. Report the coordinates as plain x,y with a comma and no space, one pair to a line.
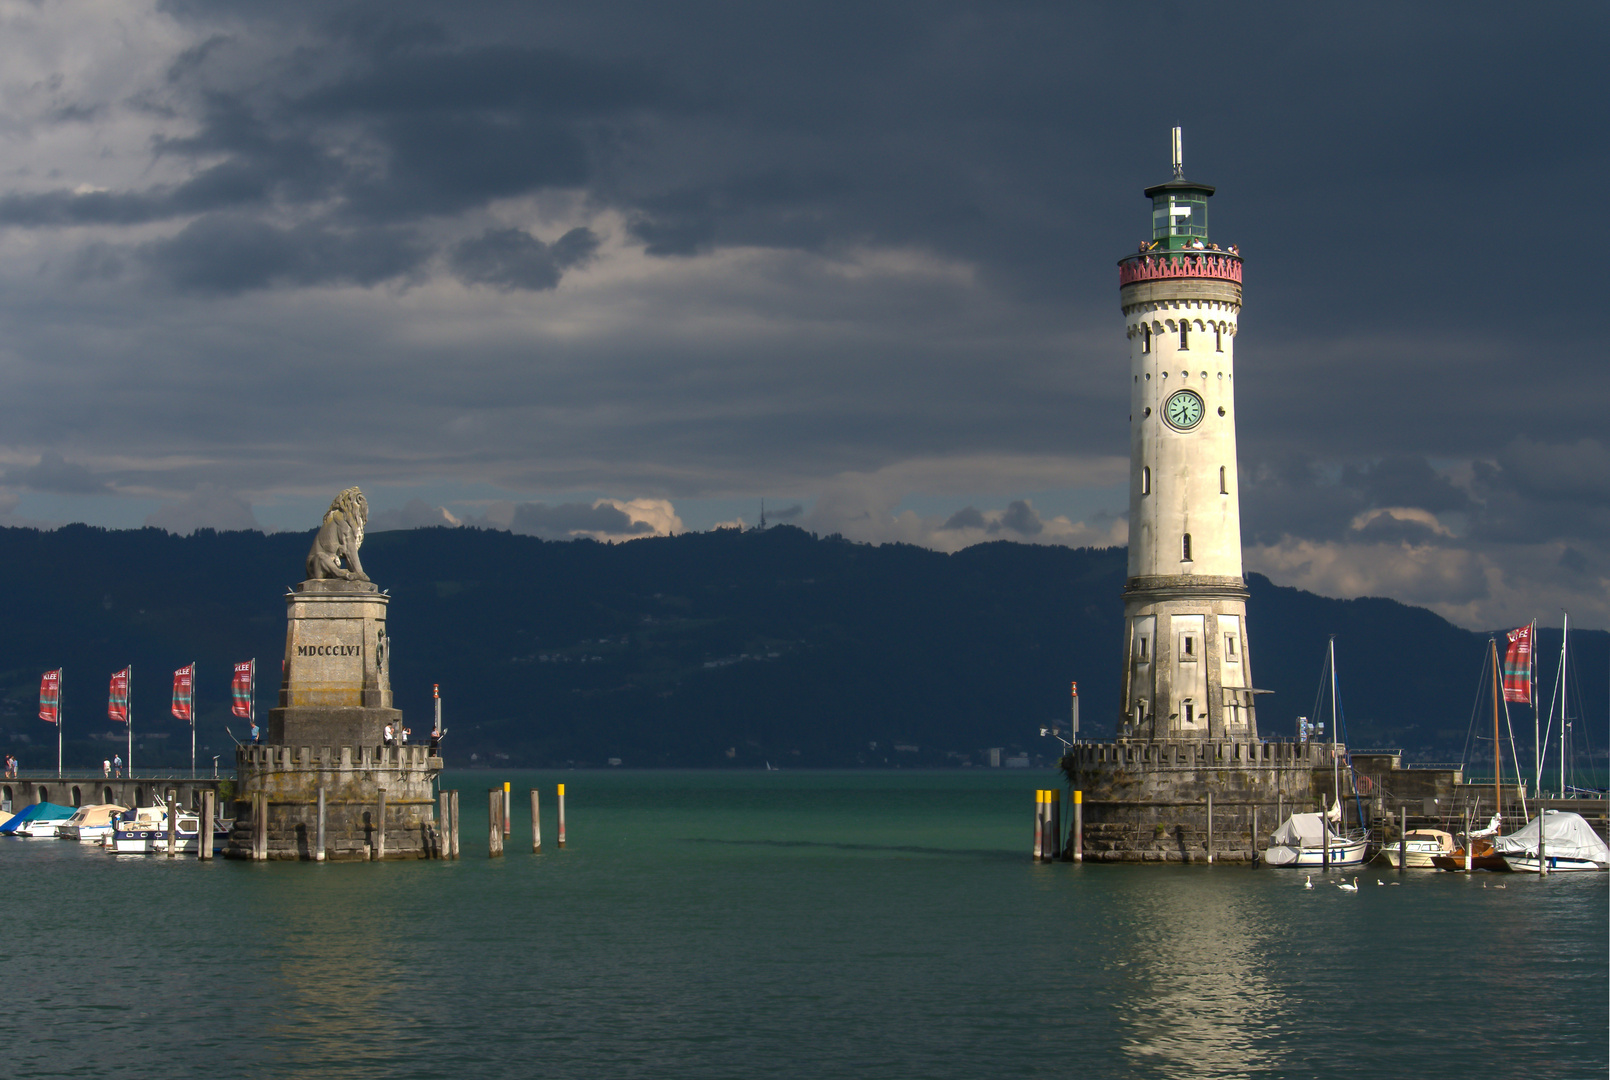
1148,266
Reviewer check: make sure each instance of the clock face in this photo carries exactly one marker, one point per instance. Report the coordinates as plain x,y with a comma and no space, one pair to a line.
1183,410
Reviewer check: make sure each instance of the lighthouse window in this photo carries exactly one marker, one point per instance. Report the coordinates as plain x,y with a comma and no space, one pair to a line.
1229,646
1146,477
1185,330
1186,548
1218,339
1223,488
1142,644
1189,648
1146,339
1190,713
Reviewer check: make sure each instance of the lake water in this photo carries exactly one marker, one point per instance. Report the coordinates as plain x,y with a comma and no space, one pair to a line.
788,924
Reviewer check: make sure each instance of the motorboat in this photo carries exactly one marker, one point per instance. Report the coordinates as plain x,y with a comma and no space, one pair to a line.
1420,846
1568,843
147,833
37,821
1302,840
91,824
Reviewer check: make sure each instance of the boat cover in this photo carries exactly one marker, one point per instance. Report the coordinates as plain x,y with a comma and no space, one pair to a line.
1297,832
48,811
1568,837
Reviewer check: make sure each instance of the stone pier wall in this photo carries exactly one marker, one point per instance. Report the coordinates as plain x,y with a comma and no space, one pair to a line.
1146,801
289,779
84,789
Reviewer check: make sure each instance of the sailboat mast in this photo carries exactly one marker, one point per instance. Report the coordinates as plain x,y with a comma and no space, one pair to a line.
1565,644
1335,767
1498,749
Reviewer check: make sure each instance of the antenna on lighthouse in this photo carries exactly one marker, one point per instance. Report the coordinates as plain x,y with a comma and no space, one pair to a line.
1179,157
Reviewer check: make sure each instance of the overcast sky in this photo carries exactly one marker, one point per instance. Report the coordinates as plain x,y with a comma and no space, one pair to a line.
619,269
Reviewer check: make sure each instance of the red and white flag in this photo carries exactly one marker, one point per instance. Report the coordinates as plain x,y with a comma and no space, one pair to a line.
1518,665
184,693
242,689
117,702
50,697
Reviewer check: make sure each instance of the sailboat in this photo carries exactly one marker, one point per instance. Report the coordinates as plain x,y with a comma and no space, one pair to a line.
1309,839
1477,851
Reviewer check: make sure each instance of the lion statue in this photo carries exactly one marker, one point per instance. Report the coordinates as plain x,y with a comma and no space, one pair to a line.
339,537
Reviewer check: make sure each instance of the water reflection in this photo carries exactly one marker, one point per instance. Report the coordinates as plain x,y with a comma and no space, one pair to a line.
1200,1000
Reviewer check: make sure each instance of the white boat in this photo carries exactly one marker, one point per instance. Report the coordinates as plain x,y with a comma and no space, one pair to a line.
91,824
1419,848
1569,843
38,821
1302,839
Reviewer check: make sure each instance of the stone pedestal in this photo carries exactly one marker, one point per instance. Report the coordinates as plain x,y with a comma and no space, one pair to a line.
1146,801
336,690
328,733
285,780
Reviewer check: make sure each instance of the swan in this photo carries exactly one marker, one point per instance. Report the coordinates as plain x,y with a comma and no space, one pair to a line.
1345,887
1378,881
1309,884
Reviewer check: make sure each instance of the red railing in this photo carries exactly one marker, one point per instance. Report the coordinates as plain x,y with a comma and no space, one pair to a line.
1179,264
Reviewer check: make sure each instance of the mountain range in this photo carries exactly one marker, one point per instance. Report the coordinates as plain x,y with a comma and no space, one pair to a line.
732,648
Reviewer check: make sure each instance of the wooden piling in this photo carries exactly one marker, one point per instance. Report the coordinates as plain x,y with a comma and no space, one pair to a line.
494,813
173,822
1039,824
1542,854
1054,850
1403,837
452,825
1255,836
561,817
1077,840
536,824
204,835
1210,826
259,826
508,811
1469,843
444,847
380,829
318,829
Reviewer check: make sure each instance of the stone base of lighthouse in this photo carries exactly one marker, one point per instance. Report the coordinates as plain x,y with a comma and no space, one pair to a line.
1147,801
1188,676
379,803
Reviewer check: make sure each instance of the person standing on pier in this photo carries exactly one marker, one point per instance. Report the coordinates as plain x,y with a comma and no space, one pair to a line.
106,767
117,765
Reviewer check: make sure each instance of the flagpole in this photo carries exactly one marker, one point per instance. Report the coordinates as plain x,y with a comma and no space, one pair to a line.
128,718
192,719
60,678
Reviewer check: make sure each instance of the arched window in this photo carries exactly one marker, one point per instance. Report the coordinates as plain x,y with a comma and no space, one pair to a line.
1186,548
1223,482
1146,338
1218,339
1145,479
78,797
44,794
106,796
1185,330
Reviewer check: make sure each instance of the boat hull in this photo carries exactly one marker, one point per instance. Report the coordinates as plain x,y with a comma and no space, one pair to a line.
1528,864
1342,853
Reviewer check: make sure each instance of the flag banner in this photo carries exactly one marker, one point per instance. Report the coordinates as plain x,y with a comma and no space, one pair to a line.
1518,666
184,693
117,703
50,697
241,689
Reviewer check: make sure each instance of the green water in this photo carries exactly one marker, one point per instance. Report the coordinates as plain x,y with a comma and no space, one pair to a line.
788,924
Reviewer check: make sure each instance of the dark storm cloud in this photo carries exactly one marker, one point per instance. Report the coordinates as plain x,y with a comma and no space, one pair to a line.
58,476
562,521
229,254
514,259
968,517
1020,518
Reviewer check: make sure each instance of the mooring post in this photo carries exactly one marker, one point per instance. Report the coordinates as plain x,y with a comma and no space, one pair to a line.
1078,837
508,811
380,828
494,811
1255,836
1039,824
1210,825
1542,855
1471,844
536,824
1403,837
259,826
204,834
173,822
318,829
1054,851
444,846
452,824
561,817
1324,834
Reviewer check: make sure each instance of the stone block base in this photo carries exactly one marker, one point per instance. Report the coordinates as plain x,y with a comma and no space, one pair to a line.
1146,801
284,781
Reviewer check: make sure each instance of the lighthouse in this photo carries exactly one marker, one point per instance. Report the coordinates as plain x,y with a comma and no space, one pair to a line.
1187,670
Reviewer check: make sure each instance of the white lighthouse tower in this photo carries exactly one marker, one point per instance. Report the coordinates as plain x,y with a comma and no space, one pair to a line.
1187,673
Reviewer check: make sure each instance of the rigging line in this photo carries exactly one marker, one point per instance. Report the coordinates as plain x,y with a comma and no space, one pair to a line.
1475,709
1519,788
1352,773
